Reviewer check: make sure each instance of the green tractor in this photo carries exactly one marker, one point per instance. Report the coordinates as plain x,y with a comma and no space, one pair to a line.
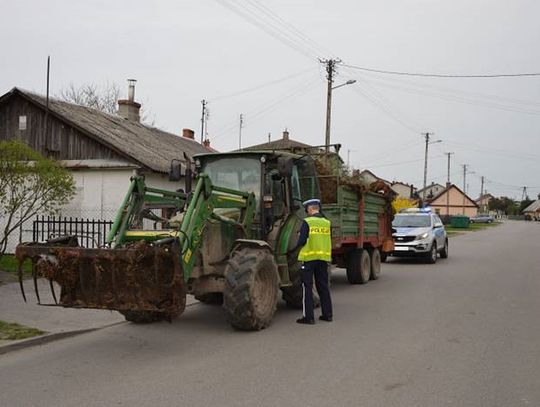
228,241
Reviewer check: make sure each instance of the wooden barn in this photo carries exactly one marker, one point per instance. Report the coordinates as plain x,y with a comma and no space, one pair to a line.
101,150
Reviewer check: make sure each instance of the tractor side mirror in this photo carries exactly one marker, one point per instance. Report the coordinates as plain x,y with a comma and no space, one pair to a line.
285,166
175,173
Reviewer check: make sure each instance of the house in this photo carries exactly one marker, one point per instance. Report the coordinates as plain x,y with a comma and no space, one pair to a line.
533,210
285,143
404,190
430,190
483,202
453,201
101,150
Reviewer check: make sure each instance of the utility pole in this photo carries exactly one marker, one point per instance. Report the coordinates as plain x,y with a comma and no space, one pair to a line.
203,119
482,206
330,71
240,131
464,185
524,194
426,135
448,186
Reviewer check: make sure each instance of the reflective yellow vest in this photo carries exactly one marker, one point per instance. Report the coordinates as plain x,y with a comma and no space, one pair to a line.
319,243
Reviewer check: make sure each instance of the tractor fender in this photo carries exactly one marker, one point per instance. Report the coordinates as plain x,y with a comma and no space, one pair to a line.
258,244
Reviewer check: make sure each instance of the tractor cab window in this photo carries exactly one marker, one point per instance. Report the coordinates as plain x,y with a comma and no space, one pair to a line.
304,180
238,173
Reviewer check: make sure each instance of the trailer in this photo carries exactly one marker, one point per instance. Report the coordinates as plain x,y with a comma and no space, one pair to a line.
361,231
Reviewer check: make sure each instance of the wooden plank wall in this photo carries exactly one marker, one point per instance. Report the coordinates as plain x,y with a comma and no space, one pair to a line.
63,142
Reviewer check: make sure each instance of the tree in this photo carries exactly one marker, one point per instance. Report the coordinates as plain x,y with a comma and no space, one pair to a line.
103,98
29,184
100,97
400,203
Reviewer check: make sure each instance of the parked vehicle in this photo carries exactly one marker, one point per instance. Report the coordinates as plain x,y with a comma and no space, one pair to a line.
420,233
228,241
482,218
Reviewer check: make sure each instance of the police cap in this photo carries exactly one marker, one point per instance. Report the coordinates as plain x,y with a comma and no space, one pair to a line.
311,202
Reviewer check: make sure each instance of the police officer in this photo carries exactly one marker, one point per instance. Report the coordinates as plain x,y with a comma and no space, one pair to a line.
316,251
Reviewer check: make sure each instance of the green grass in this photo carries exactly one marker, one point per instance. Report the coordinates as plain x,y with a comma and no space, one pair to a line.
12,331
9,263
473,227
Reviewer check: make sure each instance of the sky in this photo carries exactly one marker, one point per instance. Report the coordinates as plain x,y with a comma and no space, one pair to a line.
261,59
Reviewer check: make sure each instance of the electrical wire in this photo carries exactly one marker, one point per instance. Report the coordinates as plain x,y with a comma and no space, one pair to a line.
451,91
317,48
267,26
270,106
262,86
457,98
436,75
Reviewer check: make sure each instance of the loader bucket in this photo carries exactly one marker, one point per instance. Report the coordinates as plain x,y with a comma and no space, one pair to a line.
138,277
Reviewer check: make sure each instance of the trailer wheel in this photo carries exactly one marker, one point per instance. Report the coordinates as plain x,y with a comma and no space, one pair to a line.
251,289
358,266
375,259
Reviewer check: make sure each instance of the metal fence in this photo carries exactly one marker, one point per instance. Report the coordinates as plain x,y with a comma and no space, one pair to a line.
91,233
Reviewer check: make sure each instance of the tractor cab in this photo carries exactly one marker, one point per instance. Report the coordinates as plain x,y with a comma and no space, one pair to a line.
280,182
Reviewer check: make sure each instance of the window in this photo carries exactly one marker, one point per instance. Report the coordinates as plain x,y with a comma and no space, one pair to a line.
22,123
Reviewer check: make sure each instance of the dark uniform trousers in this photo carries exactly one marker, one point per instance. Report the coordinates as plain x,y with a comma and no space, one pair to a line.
319,270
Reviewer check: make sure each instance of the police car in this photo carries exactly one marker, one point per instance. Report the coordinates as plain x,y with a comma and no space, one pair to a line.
419,232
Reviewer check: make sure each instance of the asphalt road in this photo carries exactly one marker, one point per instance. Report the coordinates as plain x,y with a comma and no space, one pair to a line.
462,332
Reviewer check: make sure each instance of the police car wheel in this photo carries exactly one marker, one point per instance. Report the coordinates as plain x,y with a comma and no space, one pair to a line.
444,251
432,255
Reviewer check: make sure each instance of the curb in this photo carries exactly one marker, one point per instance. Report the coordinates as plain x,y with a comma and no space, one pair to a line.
43,339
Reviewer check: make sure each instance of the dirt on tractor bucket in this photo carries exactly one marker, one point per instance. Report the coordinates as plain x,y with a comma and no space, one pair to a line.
138,277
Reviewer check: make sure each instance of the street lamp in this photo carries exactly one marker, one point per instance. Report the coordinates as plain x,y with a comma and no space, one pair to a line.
329,109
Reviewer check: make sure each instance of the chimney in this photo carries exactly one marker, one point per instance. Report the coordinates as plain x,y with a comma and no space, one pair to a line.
286,135
206,144
188,133
128,108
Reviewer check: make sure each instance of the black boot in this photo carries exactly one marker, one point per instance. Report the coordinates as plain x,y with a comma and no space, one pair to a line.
304,320
325,318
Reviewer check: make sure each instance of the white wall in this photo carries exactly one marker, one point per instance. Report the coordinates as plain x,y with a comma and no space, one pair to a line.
99,195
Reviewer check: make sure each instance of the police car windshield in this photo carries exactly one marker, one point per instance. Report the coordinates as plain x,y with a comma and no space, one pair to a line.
412,221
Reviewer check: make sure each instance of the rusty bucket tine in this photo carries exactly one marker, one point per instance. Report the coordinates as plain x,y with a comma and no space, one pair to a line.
34,277
51,284
20,274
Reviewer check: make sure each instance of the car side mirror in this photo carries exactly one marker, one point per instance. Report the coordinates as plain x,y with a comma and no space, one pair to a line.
175,172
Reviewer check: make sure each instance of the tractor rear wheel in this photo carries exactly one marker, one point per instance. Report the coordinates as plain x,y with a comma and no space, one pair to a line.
251,289
358,266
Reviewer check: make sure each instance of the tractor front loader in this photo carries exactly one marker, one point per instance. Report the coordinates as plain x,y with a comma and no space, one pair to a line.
228,241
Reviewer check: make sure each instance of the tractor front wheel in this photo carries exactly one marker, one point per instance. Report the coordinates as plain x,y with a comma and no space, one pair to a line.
251,288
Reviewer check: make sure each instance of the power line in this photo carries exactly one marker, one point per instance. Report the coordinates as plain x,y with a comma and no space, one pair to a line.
264,85
267,26
459,99
435,75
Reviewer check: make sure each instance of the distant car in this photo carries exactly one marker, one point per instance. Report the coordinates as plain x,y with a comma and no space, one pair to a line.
482,218
420,233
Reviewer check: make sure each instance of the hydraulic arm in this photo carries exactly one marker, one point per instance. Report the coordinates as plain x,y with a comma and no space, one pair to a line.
138,270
